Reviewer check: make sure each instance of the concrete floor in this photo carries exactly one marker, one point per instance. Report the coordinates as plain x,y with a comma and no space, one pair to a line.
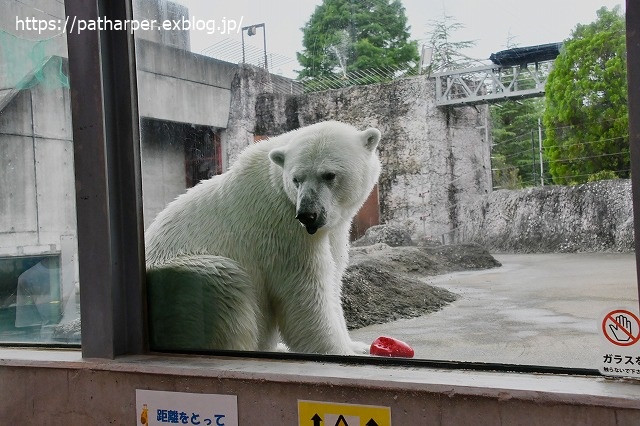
537,309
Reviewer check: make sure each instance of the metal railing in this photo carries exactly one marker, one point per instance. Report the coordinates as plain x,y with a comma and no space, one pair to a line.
358,78
491,83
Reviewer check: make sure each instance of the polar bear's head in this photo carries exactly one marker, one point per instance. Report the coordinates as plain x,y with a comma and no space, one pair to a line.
328,170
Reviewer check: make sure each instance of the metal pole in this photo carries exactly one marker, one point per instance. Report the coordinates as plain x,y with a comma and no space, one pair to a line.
489,141
251,30
540,147
533,157
264,41
242,33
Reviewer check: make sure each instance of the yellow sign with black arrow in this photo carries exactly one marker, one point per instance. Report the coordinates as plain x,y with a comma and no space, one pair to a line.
318,413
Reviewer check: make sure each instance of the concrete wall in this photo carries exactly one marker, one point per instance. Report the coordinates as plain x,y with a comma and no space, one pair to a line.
37,194
177,85
163,165
92,392
162,10
434,160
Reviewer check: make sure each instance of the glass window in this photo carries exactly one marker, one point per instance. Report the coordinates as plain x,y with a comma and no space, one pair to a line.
488,255
39,292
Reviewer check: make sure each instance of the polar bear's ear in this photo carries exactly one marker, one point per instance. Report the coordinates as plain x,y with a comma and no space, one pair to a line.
277,156
371,137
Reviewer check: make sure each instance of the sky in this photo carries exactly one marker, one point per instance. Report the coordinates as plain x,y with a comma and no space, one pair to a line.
490,23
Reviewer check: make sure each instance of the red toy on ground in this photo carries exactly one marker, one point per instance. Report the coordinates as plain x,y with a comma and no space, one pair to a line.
388,346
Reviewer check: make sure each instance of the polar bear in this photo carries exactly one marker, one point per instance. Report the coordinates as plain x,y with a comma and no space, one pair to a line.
257,254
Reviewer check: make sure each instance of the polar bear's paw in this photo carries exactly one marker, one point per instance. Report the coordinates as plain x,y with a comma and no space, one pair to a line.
281,347
360,348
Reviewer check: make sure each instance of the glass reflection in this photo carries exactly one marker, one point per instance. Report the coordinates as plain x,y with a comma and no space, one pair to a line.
467,188
38,243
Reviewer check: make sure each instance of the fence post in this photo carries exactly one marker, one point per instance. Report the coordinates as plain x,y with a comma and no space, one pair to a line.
540,150
533,157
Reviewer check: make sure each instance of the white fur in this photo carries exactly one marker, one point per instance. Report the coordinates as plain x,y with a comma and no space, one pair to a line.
246,219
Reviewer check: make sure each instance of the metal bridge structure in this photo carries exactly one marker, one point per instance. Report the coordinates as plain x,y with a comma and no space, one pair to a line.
515,74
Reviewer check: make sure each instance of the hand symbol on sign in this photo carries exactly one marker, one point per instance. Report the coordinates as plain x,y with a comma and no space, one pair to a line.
621,335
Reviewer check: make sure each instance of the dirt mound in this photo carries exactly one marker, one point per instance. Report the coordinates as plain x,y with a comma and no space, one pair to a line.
383,283
391,235
429,260
372,295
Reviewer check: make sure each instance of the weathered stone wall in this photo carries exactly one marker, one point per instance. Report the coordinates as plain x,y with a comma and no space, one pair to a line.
247,83
433,159
595,216
250,85
436,170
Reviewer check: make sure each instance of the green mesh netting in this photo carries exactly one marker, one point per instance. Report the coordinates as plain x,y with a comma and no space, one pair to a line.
27,63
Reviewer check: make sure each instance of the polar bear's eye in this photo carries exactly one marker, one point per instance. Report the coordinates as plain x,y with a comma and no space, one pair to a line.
296,182
329,176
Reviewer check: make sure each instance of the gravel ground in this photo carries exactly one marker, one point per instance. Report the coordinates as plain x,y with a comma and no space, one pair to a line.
382,283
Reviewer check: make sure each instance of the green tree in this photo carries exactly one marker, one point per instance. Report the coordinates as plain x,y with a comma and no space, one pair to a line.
586,115
512,124
347,35
447,53
504,175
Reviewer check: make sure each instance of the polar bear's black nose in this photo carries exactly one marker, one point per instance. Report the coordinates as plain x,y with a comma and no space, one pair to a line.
307,218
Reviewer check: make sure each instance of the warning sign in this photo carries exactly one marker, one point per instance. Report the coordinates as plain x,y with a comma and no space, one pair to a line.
621,327
160,407
318,413
620,355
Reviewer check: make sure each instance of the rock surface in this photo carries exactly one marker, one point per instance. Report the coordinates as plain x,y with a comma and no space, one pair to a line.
592,217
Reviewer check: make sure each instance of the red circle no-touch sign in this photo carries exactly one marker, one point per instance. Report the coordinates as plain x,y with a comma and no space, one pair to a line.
621,327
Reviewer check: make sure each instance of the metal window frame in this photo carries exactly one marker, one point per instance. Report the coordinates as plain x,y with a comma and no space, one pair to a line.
108,175
633,90
108,181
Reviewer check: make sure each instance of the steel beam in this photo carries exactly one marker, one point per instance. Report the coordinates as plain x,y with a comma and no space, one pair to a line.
491,83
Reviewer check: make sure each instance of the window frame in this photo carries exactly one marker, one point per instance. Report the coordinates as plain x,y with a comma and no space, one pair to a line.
633,90
109,183
104,113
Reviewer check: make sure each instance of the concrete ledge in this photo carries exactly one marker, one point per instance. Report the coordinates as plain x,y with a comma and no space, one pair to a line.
59,387
167,98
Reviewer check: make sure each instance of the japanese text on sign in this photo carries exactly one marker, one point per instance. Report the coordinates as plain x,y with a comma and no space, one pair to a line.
163,408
